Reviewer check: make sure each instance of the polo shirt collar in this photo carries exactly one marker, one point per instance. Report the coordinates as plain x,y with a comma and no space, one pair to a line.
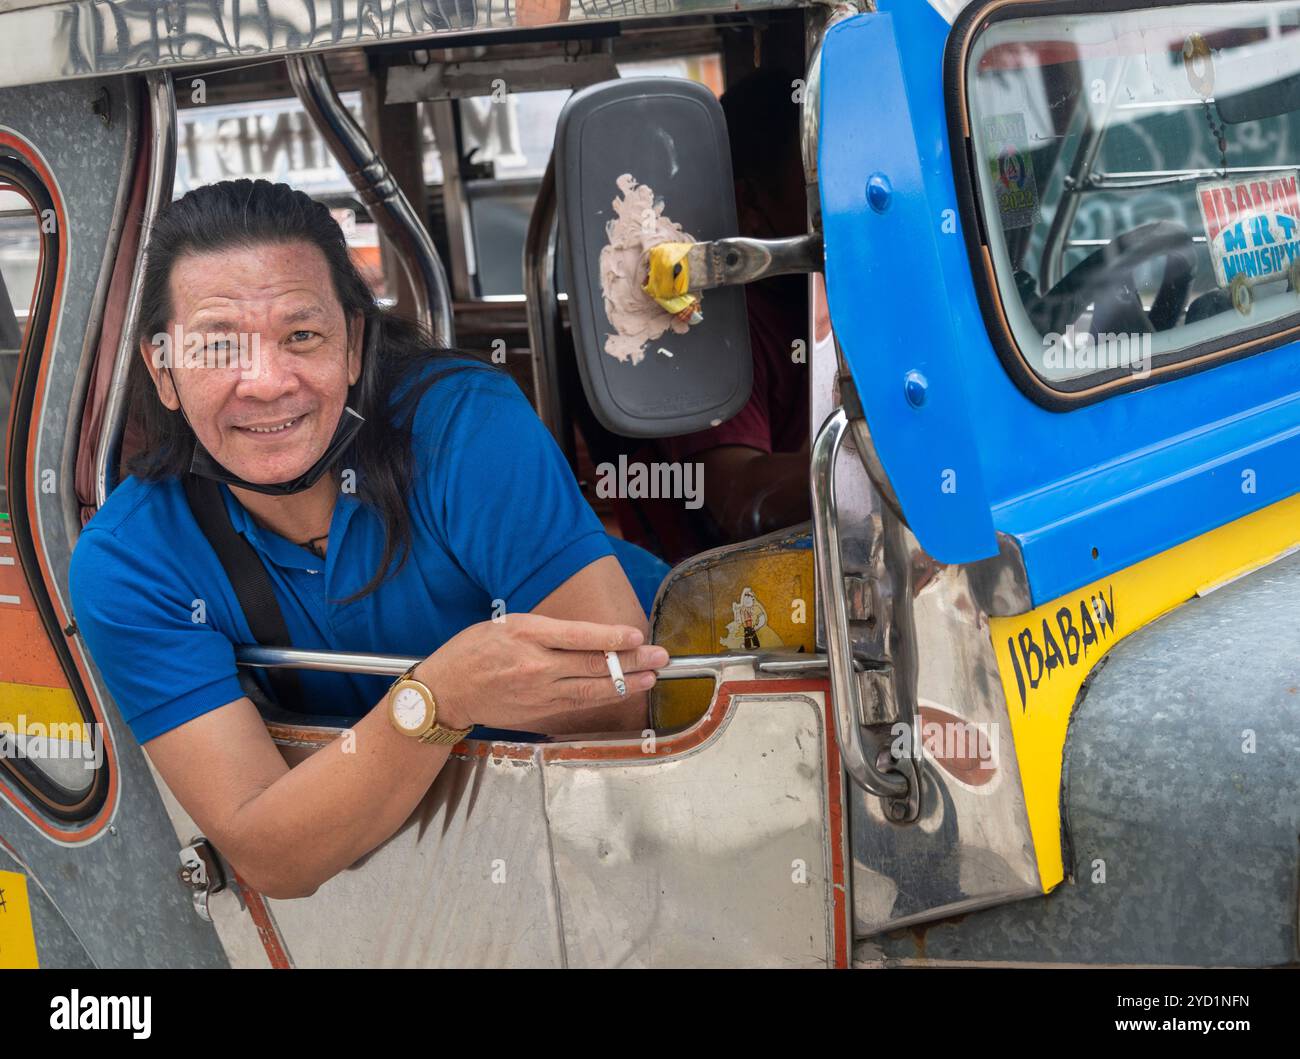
284,552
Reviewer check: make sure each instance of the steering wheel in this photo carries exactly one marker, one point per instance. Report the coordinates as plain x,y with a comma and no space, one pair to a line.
1105,278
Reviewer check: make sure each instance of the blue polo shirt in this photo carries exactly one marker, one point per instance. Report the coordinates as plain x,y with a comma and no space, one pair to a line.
496,515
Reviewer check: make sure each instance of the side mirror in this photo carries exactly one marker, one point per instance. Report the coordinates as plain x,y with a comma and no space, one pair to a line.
639,162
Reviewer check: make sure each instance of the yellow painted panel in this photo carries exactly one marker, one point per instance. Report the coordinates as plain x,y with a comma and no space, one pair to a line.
1045,655
25,704
17,939
738,600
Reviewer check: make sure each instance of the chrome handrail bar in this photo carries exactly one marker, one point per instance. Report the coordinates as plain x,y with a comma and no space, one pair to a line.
375,186
162,175
683,667
846,709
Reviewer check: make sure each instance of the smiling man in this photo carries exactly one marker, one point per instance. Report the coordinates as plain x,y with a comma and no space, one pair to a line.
402,500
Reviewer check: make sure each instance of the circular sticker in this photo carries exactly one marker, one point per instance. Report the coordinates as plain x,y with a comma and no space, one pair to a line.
1199,64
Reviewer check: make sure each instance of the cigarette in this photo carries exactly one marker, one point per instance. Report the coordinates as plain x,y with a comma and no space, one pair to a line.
616,672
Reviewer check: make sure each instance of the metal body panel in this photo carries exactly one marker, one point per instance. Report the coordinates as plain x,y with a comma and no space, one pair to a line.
1182,796
57,944
114,881
716,857
465,882
83,38
721,845
971,846
1129,476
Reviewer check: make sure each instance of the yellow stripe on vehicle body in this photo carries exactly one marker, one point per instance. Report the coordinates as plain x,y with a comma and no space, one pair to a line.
54,709
17,939
1051,644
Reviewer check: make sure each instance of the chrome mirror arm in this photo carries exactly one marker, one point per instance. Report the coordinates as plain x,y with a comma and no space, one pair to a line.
846,707
738,260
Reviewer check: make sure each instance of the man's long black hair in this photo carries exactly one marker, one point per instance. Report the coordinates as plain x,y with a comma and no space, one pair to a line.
251,213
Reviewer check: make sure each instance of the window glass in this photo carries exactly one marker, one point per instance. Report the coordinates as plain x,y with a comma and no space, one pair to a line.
20,255
1137,173
275,140
44,722
507,143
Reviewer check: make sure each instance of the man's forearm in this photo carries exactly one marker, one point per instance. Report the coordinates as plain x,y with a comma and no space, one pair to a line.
327,812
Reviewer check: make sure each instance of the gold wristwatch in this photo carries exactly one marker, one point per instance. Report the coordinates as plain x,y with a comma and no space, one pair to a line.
413,711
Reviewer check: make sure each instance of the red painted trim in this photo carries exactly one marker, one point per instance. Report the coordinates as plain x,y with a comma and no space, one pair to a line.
839,835
266,928
17,798
480,748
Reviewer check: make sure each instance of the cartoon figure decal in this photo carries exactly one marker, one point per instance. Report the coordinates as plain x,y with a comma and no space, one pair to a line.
749,630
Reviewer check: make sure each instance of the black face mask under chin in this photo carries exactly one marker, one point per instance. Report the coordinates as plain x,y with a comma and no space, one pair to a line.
203,465
206,467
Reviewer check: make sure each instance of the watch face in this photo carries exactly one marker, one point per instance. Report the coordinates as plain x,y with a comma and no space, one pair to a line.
410,709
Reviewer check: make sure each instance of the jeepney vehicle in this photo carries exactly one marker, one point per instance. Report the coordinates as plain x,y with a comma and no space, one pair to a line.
1027,687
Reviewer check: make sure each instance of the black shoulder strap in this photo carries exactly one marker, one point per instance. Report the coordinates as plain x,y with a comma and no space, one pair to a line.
248,576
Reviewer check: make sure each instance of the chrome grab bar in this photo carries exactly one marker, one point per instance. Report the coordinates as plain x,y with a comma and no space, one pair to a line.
158,193
845,692
683,667
376,187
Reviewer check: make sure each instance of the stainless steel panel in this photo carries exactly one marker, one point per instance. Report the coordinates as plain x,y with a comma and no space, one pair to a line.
1182,799
970,846
716,857
466,882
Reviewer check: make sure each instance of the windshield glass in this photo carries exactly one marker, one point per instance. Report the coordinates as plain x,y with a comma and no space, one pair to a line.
1137,176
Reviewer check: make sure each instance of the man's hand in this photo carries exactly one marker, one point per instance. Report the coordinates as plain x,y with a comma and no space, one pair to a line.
529,672
601,593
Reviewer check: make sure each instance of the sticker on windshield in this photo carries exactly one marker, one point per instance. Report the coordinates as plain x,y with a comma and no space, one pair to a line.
1011,169
1252,226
